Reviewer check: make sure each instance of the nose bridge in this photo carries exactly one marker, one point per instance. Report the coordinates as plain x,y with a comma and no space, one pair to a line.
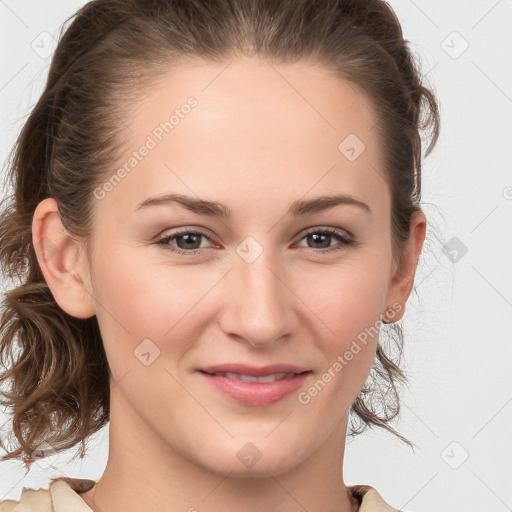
258,307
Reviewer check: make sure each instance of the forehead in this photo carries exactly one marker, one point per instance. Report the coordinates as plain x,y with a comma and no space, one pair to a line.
253,128
260,99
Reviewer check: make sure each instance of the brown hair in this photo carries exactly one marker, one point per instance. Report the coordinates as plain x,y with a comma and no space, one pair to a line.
111,51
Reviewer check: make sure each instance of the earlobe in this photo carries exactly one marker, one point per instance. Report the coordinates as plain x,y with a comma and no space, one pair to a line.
61,261
403,277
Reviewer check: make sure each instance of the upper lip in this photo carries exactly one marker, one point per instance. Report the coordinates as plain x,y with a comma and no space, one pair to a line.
254,371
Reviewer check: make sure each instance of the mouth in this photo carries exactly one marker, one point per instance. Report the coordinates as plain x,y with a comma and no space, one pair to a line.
255,386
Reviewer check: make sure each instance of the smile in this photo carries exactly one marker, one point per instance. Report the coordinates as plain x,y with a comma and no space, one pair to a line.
254,390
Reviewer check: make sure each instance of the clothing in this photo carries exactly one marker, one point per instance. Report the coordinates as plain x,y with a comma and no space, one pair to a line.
62,496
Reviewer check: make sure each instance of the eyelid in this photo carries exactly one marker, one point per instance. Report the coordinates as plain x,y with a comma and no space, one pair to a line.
329,229
185,230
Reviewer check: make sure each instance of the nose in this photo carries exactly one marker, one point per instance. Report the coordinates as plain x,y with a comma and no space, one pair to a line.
257,306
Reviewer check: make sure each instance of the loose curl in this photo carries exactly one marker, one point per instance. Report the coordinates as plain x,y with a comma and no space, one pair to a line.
111,51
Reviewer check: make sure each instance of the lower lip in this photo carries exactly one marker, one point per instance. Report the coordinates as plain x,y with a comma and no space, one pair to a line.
256,393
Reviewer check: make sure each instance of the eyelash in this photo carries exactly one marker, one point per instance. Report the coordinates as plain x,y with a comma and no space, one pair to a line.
344,239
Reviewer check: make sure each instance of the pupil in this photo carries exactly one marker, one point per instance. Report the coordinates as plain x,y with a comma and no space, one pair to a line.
325,236
187,237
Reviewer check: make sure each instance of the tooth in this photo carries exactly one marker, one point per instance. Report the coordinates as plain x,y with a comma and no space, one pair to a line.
250,378
267,378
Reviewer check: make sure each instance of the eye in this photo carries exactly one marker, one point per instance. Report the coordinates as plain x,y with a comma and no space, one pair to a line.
324,237
188,242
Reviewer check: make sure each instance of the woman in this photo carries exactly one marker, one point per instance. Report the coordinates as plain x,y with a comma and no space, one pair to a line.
281,141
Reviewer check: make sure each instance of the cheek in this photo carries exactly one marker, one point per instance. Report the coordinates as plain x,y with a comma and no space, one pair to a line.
349,306
169,305
348,299
348,358
135,303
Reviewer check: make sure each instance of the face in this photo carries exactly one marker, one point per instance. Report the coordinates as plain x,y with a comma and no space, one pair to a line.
186,297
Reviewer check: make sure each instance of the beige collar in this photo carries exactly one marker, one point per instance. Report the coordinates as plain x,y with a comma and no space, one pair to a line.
62,496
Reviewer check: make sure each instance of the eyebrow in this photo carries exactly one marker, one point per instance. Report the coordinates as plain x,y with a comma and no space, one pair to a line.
216,209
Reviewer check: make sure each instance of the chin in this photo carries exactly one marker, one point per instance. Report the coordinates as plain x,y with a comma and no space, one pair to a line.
249,462
260,470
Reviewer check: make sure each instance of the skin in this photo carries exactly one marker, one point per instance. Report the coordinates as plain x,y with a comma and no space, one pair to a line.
261,137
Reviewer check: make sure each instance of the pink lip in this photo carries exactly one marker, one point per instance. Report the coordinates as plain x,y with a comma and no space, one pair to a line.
255,393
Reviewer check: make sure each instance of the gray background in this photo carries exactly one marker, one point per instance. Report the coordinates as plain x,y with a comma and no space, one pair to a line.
458,405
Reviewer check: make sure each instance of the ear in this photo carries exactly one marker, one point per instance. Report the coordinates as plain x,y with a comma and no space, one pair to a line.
62,260
402,279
